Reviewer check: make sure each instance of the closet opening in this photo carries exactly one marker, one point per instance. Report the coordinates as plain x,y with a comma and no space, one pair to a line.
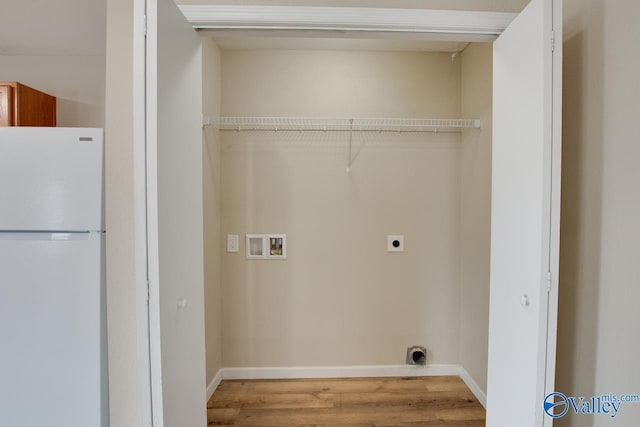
353,198
339,144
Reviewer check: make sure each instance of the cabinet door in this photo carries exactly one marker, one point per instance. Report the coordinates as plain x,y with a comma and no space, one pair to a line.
525,216
35,108
6,106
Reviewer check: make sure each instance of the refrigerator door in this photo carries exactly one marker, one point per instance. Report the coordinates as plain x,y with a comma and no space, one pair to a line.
51,179
52,369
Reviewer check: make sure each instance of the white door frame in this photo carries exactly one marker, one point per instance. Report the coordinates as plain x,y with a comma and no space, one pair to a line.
142,382
423,24
555,200
153,268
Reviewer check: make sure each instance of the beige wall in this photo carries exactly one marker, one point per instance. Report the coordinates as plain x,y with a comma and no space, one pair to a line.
78,83
339,84
212,208
600,207
475,227
340,298
129,380
598,316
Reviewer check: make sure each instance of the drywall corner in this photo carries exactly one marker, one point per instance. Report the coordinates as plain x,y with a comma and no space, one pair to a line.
211,206
476,102
127,317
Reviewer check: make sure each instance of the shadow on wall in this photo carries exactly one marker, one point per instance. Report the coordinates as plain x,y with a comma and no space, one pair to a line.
580,241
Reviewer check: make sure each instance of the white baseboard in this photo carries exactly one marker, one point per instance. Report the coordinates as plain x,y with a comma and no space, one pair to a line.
474,387
339,372
213,385
347,372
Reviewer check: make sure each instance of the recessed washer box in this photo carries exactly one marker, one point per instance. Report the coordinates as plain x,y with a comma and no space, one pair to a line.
395,243
266,246
276,246
256,246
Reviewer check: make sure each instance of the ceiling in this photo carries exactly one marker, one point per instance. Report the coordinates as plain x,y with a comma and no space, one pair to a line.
78,27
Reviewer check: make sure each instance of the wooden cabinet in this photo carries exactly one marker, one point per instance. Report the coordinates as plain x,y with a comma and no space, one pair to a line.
21,105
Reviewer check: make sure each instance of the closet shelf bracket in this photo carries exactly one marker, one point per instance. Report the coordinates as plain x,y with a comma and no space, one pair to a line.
351,125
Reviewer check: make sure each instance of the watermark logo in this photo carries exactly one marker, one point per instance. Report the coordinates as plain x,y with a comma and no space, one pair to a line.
557,404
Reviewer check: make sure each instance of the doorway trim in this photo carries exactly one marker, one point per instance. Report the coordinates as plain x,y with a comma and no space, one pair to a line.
451,25
469,26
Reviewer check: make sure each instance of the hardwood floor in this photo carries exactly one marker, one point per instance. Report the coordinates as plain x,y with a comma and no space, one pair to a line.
415,401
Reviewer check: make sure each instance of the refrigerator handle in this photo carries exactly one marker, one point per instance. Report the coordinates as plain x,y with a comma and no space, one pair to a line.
45,235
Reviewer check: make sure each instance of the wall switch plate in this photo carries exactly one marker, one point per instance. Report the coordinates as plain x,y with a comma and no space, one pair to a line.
395,243
233,243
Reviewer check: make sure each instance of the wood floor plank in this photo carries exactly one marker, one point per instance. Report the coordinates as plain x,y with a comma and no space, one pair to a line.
429,398
273,401
358,385
362,385
375,402
350,416
224,416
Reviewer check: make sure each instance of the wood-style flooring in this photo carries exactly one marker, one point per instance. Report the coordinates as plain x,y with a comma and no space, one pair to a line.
415,401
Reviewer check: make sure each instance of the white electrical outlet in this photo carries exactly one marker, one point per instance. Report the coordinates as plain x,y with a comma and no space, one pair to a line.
395,243
233,243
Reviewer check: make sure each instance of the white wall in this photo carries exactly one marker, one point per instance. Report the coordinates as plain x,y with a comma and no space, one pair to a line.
212,199
475,234
340,298
598,316
78,83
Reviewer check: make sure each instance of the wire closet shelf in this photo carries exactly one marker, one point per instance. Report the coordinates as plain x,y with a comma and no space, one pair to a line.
344,124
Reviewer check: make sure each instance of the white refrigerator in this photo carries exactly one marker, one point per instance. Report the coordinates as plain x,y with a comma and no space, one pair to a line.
53,365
